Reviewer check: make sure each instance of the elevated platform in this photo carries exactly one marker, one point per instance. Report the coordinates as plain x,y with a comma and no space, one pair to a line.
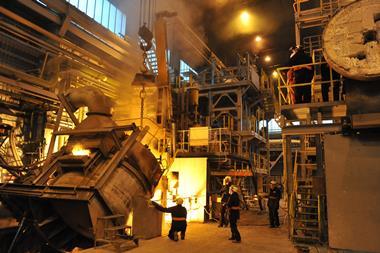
250,135
224,155
233,173
314,111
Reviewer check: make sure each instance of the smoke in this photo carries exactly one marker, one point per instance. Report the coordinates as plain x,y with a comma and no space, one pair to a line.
235,20
186,31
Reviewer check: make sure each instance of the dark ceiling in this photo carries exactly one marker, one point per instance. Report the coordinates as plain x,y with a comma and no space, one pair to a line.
275,23
211,19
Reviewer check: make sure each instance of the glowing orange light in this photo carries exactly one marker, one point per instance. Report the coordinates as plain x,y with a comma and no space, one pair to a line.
245,17
267,58
275,74
78,150
258,38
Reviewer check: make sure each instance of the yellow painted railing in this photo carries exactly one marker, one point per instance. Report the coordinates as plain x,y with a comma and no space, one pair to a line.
285,88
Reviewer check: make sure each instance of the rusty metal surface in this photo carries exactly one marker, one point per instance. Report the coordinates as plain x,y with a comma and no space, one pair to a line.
81,189
351,41
353,199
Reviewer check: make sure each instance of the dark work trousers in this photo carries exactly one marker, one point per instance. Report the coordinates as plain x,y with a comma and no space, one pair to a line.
273,214
234,230
303,93
177,226
223,215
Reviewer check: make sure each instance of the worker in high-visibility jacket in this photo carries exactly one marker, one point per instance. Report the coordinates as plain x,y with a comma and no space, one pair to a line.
234,213
179,223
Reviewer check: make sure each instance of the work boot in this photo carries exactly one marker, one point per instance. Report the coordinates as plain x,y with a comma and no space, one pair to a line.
175,236
231,238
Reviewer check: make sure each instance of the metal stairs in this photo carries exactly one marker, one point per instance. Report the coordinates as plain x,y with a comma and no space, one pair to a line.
245,190
268,101
305,218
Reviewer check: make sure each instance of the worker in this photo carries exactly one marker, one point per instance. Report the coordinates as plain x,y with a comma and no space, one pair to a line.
225,192
274,204
179,214
302,74
234,213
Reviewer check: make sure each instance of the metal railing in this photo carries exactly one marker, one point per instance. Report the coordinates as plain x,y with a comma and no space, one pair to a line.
313,13
219,141
287,89
260,164
245,70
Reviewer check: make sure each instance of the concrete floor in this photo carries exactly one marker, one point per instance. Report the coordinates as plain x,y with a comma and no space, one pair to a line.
256,237
211,239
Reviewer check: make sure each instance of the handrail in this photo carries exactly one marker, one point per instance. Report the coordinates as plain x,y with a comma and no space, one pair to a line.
284,98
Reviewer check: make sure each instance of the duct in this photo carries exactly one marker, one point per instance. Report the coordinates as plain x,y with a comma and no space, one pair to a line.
99,107
75,190
351,42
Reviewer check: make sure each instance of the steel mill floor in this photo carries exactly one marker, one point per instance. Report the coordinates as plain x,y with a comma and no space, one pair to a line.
209,238
256,237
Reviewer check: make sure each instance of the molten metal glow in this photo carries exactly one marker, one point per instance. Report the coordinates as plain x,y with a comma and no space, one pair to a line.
78,150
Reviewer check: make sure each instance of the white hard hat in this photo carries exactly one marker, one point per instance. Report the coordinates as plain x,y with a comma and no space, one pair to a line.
273,182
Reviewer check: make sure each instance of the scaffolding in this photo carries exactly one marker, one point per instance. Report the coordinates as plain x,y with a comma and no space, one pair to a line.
311,16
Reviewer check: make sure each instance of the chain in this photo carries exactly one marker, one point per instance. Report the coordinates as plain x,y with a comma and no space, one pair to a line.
142,97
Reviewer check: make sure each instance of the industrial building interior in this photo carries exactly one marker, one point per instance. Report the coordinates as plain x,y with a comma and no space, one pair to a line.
108,105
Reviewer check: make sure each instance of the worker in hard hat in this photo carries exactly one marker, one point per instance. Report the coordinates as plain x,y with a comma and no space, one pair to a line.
303,74
225,192
179,214
234,213
274,204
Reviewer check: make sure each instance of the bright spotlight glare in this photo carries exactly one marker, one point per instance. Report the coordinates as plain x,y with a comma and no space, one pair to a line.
267,58
275,74
245,17
258,38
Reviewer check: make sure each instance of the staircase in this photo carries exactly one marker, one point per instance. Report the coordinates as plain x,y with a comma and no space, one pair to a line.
305,210
269,102
248,199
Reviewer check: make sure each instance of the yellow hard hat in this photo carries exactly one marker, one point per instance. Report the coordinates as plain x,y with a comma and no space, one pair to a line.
227,179
179,201
234,188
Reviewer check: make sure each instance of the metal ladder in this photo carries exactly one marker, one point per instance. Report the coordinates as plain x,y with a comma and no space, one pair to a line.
305,214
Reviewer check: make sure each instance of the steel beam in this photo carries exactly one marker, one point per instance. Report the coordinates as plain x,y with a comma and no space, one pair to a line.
311,129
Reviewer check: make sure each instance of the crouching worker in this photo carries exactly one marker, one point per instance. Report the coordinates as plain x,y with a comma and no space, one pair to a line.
234,213
179,223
